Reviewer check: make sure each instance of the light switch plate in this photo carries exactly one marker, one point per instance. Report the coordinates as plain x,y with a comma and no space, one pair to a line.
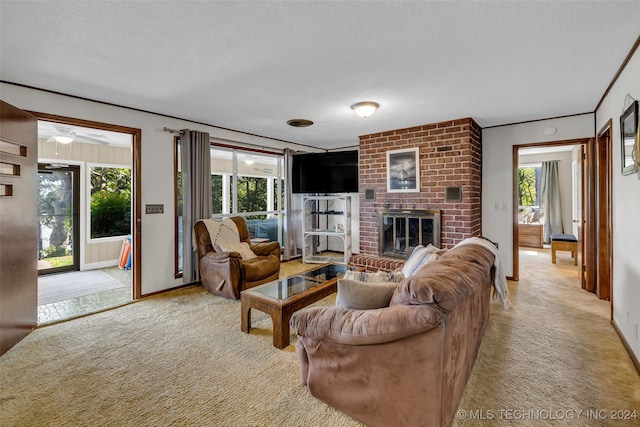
154,209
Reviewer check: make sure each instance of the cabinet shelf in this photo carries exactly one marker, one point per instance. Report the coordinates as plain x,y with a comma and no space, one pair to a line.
322,225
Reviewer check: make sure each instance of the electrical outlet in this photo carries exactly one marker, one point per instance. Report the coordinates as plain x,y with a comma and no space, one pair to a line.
154,209
496,206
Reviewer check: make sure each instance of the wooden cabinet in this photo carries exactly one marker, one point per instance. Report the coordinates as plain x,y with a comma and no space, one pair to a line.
530,235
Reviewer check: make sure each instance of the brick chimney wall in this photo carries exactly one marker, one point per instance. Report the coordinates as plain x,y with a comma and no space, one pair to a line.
450,155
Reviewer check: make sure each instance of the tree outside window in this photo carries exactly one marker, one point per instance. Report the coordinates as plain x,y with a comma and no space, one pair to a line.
528,193
217,195
252,194
55,217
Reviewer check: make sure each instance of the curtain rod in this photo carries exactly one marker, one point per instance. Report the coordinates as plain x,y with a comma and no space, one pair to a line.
229,141
233,142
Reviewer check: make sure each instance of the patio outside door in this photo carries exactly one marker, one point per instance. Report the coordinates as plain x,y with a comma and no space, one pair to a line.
58,218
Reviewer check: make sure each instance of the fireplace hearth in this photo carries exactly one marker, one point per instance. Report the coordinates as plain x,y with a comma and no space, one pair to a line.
400,231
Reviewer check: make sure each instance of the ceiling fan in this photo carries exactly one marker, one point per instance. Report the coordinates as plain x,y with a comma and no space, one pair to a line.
64,135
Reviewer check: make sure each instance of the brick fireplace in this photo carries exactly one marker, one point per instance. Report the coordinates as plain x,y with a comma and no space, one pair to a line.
450,160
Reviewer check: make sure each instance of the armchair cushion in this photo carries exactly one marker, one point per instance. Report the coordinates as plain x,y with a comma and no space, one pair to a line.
242,248
266,248
259,268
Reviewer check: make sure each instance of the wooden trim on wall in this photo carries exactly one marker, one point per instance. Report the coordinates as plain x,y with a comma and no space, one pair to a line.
136,164
589,182
177,272
626,345
538,120
632,52
604,243
516,204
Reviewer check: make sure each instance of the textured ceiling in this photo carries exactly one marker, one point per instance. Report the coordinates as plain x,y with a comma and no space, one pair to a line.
251,66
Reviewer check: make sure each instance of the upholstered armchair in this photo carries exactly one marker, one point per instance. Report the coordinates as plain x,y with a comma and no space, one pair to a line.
228,261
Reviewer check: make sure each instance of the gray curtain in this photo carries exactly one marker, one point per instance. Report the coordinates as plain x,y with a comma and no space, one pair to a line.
550,200
196,195
291,227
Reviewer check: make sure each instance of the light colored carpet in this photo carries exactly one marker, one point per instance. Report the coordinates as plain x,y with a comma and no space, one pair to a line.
180,359
62,286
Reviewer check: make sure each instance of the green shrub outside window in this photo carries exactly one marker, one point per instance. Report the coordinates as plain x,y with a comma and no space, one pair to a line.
110,202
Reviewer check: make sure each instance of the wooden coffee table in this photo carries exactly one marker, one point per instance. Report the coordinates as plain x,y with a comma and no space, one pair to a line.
280,298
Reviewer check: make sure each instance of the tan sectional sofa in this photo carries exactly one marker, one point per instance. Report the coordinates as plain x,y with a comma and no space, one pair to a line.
406,364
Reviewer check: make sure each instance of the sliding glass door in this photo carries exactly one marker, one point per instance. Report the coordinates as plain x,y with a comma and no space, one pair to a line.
58,218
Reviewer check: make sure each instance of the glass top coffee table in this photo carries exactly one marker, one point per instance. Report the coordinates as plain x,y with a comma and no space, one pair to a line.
280,298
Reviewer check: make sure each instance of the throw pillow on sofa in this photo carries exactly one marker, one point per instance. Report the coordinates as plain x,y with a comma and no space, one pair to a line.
364,295
377,277
412,264
420,257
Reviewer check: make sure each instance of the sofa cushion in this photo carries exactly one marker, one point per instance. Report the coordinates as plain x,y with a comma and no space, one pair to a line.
364,295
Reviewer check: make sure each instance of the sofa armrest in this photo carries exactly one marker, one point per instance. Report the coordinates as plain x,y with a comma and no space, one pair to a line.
363,327
266,248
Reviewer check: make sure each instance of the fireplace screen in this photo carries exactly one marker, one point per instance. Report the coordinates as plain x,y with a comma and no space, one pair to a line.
401,231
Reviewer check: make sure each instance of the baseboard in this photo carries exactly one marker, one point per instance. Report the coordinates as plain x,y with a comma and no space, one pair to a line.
98,265
626,345
175,288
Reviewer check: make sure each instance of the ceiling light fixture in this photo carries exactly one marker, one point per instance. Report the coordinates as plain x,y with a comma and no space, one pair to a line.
365,109
249,160
63,139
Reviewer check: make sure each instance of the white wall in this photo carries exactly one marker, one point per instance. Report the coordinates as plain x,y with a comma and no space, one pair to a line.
566,180
625,210
157,231
497,172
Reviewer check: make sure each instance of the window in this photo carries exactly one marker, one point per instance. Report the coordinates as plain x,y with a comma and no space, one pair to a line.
244,183
110,201
249,187
252,194
529,193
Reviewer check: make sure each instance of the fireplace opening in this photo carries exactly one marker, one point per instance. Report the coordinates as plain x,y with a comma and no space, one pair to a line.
400,231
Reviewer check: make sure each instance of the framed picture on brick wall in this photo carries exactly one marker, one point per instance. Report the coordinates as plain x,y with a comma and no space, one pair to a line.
403,171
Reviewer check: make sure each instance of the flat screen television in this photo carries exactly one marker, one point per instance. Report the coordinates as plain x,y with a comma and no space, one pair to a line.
332,172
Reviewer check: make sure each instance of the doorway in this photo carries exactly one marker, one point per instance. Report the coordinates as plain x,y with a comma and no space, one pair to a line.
529,219
93,201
